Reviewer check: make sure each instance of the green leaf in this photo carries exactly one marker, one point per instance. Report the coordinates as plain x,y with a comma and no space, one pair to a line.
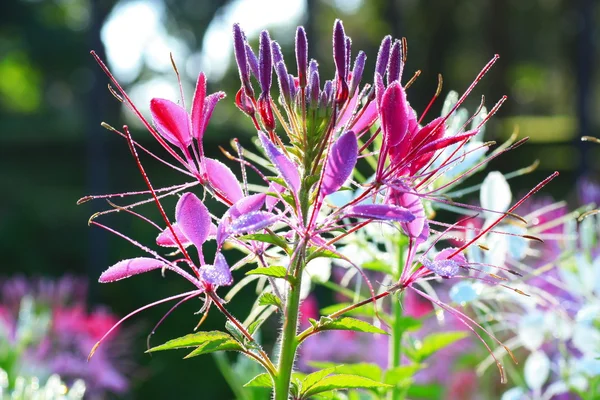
234,330
267,238
275,271
317,376
428,391
224,345
350,324
269,299
377,265
321,253
262,380
366,370
432,343
367,310
343,381
310,180
255,325
402,375
196,339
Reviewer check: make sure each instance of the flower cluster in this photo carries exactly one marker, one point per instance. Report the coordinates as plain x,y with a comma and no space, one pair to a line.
46,330
315,135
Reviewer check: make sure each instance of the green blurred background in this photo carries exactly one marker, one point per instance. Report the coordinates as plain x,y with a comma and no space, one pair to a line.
53,98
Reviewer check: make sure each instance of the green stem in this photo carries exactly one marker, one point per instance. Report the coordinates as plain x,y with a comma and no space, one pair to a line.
395,356
289,343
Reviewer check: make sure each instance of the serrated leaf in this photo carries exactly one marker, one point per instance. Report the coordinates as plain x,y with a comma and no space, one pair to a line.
254,326
402,375
269,299
193,340
434,342
266,238
316,376
262,380
275,271
234,330
224,345
351,324
343,381
366,370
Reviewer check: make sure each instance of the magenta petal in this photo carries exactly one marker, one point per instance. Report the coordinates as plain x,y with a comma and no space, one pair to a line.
198,107
217,274
222,179
444,268
126,268
252,222
394,115
348,111
171,121
209,106
410,201
193,219
287,169
247,204
340,163
380,212
444,254
166,239
271,201
369,115
445,142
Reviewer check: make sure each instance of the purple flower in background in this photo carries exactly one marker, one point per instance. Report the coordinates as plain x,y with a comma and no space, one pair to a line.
48,325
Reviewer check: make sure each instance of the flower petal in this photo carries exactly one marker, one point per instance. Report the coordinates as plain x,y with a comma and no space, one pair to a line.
444,268
126,268
287,169
340,163
166,239
221,178
171,121
408,199
193,219
217,274
198,107
394,115
380,212
252,222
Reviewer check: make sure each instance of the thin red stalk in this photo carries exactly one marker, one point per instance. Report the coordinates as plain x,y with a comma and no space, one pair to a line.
510,210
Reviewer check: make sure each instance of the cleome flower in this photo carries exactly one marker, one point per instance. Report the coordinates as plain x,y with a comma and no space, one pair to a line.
314,136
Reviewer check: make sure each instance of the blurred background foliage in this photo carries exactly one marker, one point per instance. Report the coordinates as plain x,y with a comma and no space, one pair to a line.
53,98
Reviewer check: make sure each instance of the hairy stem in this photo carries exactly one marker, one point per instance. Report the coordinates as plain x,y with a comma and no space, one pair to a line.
395,356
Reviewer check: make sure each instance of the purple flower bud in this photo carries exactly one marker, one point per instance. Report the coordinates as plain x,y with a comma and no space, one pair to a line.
313,67
395,66
284,83
252,60
339,57
265,63
328,89
239,47
292,84
301,54
324,100
314,87
277,54
383,55
348,56
357,72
